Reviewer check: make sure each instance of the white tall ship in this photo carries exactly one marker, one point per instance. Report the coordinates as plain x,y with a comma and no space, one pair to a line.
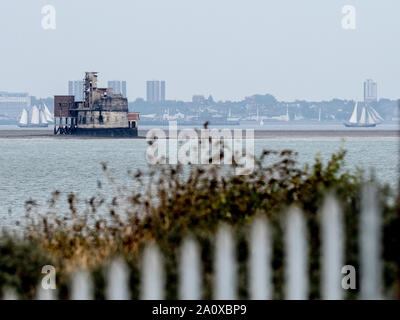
369,117
38,117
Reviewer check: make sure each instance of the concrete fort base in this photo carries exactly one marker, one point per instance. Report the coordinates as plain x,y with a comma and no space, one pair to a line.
107,132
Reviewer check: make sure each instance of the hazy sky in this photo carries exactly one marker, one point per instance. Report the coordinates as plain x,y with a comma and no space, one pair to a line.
227,48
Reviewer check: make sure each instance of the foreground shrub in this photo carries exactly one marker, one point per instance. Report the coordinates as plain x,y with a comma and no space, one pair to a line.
171,202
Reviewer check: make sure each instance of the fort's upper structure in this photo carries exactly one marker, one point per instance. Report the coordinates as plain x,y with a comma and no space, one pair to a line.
102,112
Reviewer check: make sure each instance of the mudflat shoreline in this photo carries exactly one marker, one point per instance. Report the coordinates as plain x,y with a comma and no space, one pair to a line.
258,134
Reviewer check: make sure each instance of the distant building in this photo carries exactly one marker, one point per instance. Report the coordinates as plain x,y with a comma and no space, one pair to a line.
75,88
155,91
118,86
124,89
162,91
70,88
198,98
12,104
370,91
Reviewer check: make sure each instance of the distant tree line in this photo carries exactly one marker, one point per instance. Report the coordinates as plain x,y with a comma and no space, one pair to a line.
266,105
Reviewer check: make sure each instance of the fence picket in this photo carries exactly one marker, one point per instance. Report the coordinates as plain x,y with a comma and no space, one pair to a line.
81,286
190,271
225,266
260,274
117,281
369,242
10,294
45,294
332,249
296,256
152,286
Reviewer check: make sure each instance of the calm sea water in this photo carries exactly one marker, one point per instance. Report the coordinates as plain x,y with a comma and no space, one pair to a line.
34,168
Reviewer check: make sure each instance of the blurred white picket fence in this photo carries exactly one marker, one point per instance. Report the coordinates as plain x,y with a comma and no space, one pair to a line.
260,269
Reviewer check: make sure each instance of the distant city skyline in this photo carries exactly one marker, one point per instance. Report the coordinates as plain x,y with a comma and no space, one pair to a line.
155,91
118,86
75,88
370,90
229,49
265,105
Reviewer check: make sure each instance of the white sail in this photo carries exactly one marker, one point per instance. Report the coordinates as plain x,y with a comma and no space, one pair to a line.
370,118
353,118
24,118
319,114
376,115
35,115
47,113
42,117
376,120
363,119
